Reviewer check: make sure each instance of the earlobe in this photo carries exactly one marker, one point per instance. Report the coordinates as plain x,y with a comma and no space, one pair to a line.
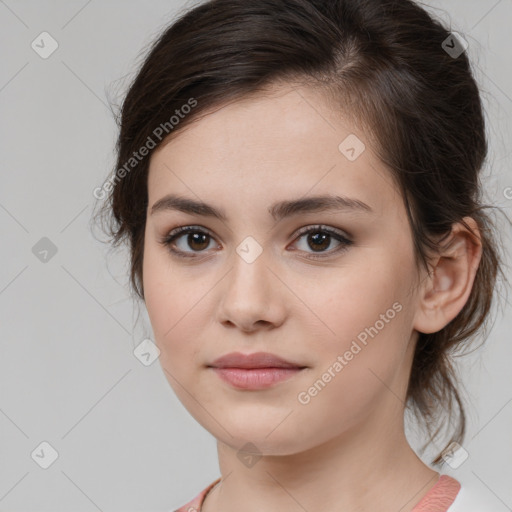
446,289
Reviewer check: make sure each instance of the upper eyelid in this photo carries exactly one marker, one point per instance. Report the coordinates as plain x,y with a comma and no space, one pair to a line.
323,227
183,230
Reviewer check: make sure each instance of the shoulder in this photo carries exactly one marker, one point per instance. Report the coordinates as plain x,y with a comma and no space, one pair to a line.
475,497
194,505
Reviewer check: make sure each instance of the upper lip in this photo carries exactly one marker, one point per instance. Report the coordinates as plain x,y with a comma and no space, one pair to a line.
255,360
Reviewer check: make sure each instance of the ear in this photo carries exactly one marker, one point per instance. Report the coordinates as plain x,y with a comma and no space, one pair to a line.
446,289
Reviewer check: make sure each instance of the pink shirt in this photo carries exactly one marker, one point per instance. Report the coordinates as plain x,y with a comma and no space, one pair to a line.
438,499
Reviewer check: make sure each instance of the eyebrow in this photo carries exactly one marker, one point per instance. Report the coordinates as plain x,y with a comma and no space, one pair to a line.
278,210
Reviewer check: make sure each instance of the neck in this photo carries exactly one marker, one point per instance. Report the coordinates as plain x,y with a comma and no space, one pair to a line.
354,472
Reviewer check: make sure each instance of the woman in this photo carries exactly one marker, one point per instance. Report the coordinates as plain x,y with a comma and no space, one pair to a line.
298,183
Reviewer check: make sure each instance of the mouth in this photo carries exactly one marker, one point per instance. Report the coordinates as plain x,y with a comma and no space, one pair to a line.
254,371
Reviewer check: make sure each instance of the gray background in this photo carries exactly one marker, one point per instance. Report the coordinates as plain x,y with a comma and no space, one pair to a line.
68,375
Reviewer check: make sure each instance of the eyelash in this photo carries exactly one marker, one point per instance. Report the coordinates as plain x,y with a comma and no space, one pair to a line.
176,233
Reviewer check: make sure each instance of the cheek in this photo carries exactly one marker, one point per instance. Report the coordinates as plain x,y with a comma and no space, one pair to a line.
176,303
366,307
163,298
355,297
355,367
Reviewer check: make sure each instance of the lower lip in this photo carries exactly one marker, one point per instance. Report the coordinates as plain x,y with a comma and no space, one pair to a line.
255,378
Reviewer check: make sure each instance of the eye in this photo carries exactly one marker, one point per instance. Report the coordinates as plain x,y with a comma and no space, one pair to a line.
198,239
320,237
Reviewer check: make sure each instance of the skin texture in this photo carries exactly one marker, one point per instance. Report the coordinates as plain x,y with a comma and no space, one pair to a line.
345,449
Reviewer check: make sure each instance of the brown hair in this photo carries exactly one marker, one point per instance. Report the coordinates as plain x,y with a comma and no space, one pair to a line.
383,63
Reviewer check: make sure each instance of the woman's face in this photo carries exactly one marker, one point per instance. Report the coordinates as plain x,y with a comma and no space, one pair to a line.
253,282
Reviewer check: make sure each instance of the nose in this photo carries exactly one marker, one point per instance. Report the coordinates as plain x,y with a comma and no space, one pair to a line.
252,297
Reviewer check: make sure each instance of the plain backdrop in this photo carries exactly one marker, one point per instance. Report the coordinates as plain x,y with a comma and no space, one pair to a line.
68,374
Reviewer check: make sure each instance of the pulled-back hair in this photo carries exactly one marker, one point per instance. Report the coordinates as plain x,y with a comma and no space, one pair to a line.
385,65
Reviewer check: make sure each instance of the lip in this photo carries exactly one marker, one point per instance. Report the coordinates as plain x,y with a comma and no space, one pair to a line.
256,378
253,361
255,371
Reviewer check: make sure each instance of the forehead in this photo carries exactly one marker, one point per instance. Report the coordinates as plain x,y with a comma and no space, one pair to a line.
285,142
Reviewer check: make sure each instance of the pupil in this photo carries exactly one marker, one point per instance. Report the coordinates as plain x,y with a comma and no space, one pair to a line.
317,237
197,239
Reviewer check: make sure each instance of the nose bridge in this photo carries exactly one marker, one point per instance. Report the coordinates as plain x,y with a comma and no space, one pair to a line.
250,263
248,296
